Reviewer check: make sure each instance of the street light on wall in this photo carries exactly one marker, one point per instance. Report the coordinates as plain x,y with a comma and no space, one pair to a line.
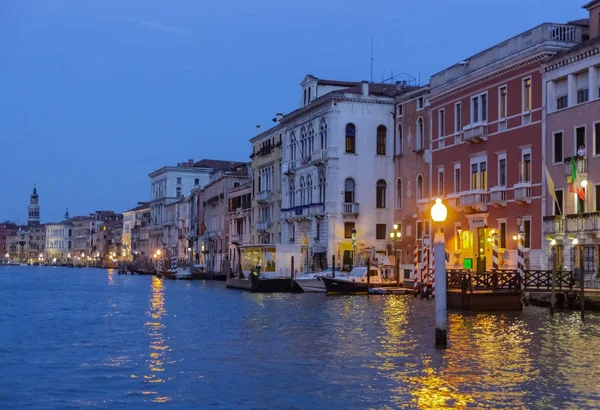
395,236
353,247
439,213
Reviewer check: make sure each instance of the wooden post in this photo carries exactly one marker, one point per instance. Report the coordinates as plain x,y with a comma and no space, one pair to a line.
581,283
333,266
553,295
292,276
368,275
397,267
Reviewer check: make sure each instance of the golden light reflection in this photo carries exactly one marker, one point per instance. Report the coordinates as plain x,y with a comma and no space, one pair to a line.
158,348
111,277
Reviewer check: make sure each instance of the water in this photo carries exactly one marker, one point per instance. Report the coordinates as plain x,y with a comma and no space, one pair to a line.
88,338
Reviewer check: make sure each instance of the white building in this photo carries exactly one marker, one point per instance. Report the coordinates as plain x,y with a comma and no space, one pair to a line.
59,240
338,171
131,220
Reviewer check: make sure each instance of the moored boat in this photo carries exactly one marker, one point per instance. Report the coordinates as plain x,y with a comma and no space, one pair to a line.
356,282
313,282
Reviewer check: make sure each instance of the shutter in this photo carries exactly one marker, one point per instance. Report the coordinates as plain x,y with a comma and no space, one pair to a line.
582,81
561,88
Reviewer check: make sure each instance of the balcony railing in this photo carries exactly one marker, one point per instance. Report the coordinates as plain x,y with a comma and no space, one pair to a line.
498,196
303,211
583,223
475,133
263,225
554,224
523,192
350,208
264,196
475,199
581,165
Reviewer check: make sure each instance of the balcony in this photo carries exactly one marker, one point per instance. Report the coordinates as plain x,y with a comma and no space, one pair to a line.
264,196
498,196
475,133
581,166
587,223
241,239
289,168
554,225
474,201
303,212
523,192
263,225
350,208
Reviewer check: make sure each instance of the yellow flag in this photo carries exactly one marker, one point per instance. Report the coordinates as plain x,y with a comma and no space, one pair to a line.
551,190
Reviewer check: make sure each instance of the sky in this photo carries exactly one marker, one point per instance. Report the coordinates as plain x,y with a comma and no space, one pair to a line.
94,95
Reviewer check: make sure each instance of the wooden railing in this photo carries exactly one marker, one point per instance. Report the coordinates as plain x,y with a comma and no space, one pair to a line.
508,280
542,279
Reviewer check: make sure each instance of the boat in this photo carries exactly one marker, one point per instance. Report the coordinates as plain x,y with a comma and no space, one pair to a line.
313,282
140,271
356,281
170,273
183,274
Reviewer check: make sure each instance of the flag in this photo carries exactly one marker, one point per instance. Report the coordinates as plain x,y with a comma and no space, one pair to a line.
573,170
581,193
551,189
572,189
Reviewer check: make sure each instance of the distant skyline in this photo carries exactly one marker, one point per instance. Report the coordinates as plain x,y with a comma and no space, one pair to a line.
96,95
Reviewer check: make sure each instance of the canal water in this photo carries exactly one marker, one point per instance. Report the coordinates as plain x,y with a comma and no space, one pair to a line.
90,338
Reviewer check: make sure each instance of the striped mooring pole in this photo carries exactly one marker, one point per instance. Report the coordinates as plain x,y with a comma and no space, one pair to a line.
425,269
432,271
416,272
521,260
495,253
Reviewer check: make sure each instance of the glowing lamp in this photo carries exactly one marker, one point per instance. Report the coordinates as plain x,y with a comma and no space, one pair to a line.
392,235
158,252
553,242
439,212
575,241
584,183
395,227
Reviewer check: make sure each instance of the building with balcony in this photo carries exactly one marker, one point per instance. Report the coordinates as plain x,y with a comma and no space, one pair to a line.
216,237
239,219
59,240
572,147
140,235
266,202
8,233
131,219
411,165
486,146
338,171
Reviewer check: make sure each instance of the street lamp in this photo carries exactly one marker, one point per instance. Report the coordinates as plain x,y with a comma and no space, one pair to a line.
439,212
353,247
396,236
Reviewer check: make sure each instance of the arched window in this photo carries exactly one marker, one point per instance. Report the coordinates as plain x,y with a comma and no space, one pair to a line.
351,139
303,142
420,135
399,148
322,187
293,146
311,139
381,188
419,187
323,133
309,189
349,187
381,137
292,195
302,189
398,193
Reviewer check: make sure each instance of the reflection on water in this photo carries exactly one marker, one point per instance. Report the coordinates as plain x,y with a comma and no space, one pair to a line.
158,347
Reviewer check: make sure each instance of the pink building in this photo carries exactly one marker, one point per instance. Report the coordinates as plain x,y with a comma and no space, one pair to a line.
572,136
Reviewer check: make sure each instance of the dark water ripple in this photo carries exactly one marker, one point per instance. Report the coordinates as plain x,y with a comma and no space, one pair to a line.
85,338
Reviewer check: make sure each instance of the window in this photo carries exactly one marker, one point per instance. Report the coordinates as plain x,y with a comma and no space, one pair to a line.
179,180
583,95
562,102
399,148
399,110
558,204
525,170
479,108
457,118
457,232
502,170
527,94
399,193
579,138
441,125
479,175
420,103
381,231
178,191
419,187
440,182
419,231
527,232
502,234
456,178
502,102
350,139
197,181
597,138
597,198
420,135
380,192
348,227
349,187
557,148
381,137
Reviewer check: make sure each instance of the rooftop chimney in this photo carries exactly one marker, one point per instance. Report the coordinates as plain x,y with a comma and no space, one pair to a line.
365,88
257,129
279,117
593,7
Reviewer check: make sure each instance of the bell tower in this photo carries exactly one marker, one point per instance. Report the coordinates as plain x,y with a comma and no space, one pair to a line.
34,209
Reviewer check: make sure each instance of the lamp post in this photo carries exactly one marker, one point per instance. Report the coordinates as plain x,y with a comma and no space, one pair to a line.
396,236
553,278
439,212
353,247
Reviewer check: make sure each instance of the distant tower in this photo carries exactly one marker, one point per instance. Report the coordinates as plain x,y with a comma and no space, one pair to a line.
67,214
34,209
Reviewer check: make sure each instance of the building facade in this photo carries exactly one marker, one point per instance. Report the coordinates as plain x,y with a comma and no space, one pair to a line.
131,219
486,147
8,234
59,241
240,223
572,150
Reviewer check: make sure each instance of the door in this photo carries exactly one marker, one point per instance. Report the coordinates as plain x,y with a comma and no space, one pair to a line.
480,250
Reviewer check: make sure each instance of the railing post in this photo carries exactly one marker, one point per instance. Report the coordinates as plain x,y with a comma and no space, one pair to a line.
553,294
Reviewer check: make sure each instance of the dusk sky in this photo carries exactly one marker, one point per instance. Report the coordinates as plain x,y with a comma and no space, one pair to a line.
97,94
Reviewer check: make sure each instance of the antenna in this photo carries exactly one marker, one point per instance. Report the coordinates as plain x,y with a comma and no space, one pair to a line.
372,59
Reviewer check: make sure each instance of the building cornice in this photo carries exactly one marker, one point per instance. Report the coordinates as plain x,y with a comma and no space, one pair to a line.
572,58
